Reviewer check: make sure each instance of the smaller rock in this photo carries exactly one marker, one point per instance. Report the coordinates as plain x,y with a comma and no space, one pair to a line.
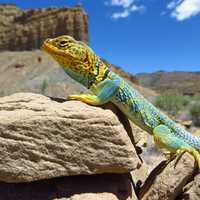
193,190
186,123
139,175
166,182
197,132
94,187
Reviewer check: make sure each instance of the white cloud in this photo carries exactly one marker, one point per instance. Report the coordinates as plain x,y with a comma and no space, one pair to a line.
125,13
122,14
126,6
140,8
171,5
123,3
184,9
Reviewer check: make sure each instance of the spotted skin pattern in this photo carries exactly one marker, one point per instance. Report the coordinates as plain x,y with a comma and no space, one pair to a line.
83,65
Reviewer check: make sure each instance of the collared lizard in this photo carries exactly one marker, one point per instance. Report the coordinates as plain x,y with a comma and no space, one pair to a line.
83,65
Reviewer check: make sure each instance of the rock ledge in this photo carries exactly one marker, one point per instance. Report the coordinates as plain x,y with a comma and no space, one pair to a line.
43,139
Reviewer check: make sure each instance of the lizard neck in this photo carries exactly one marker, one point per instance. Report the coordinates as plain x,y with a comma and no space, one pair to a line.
95,75
79,77
101,72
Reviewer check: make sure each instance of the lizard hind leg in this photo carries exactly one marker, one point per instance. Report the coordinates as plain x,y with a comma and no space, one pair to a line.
175,146
165,138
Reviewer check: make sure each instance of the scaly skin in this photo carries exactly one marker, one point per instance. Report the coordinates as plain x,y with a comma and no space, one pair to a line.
84,66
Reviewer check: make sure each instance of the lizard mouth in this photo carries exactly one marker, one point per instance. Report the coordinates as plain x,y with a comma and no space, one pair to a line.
54,51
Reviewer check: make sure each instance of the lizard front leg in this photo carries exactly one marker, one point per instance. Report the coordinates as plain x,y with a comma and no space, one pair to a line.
86,98
104,93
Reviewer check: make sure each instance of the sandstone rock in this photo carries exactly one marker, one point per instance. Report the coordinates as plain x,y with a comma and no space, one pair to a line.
42,139
139,175
26,30
140,136
193,193
166,183
7,14
94,187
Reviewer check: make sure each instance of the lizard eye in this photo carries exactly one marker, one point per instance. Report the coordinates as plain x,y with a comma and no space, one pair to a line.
63,43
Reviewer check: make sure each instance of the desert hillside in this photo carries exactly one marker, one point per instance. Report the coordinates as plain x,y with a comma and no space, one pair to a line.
35,71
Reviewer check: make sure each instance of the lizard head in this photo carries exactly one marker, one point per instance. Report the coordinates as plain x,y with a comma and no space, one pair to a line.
75,57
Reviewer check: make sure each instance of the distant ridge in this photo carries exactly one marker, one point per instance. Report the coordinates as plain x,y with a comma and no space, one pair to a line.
181,82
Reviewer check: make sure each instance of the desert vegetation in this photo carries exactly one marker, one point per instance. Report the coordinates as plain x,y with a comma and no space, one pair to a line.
175,104
44,86
195,113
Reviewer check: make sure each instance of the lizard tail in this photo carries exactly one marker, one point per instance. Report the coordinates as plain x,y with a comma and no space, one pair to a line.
189,138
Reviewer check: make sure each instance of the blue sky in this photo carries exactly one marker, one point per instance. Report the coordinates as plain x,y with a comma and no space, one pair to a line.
140,35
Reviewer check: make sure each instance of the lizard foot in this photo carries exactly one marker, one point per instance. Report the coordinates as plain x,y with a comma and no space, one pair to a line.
179,153
86,98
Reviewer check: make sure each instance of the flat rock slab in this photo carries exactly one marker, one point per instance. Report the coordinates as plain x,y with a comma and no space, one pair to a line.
43,139
94,187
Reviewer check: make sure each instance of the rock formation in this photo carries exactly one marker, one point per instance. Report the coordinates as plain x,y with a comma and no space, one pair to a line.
55,149
7,14
27,29
60,139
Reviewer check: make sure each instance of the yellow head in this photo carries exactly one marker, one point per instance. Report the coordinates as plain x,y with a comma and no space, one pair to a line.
76,58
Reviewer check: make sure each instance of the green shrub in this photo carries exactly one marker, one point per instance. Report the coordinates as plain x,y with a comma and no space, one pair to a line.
171,103
195,113
44,86
196,97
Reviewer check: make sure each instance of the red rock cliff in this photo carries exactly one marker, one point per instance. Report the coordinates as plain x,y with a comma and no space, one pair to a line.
26,30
